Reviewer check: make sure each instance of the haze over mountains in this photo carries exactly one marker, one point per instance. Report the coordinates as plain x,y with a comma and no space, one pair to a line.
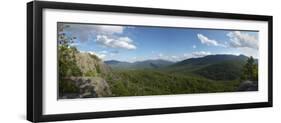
187,63
147,64
215,67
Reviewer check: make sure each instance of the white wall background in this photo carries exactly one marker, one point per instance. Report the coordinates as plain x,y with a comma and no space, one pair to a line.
13,61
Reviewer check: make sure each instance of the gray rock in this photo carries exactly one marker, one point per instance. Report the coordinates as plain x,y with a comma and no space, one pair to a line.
89,87
248,86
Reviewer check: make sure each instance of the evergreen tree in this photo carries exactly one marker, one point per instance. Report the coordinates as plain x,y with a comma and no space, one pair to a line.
66,52
66,61
250,70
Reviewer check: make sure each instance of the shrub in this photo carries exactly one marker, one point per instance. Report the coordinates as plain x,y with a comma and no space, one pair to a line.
67,86
91,73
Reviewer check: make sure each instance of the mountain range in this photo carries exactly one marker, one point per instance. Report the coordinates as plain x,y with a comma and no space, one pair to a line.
216,67
84,75
147,64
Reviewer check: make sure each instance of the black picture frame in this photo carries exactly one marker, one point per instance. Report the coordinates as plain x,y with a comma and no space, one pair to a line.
35,69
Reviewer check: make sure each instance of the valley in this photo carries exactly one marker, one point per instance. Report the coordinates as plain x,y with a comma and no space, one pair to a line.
209,74
103,60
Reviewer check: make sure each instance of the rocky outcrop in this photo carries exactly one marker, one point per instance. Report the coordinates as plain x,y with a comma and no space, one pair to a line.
248,86
91,63
91,83
89,87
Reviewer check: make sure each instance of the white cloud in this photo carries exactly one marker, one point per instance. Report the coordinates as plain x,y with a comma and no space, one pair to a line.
242,40
205,40
116,42
104,51
249,52
106,35
100,55
200,54
160,55
110,29
176,58
194,46
172,58
85,32
74,44
187,55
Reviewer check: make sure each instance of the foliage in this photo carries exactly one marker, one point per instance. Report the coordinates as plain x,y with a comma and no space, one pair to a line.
98,69
250,70
149,82
201,75
230,70
91,73
66,86
66,61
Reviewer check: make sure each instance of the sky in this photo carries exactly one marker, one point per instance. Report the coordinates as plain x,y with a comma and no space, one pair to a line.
139,43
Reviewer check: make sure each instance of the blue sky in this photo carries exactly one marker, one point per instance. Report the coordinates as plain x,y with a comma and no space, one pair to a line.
138,43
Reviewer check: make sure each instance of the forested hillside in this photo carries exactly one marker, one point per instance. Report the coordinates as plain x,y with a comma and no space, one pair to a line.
84,75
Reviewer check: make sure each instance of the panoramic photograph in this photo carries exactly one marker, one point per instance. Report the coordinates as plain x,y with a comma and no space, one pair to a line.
101,60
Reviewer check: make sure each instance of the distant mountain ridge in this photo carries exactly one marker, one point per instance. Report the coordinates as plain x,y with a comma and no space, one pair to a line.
216,67
210,59
147,64
212,73
112,62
